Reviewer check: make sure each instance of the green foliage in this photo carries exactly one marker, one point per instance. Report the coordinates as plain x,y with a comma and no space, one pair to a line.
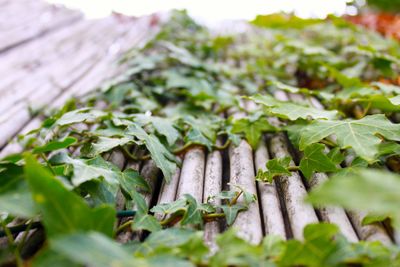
323,246
315,160
371,190
275,167
55,145
63,211
174,94
253,127
189,212
360,135
290,111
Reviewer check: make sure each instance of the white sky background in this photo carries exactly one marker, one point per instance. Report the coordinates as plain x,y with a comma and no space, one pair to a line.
210,11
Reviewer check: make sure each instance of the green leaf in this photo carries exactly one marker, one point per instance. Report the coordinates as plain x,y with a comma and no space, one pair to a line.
285,87
253,128
206,123
146,222
335,155
63,211
275,167
163,126
91,169
273,246
170,208
361,135
163,158
291,111
231,212
196,137
234,251
55,145
321,247
79,115
104,144
167,238
193,214
49,258
388,148
94,249
142,220
315,160
131,180
343,79
15,196
370,219
367,190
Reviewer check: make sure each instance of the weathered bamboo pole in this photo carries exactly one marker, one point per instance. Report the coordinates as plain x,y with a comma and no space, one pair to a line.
212,187
248,223
271,209
192,174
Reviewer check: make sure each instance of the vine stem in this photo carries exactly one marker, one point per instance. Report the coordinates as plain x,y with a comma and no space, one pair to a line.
327,142
123,226
235,199
227,143
133,157
293,168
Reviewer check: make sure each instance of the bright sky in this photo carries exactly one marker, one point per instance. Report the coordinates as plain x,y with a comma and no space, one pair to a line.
210,10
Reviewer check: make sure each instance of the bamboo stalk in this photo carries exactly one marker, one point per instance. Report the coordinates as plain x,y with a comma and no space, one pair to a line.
299,213
269,199
192,174
212,186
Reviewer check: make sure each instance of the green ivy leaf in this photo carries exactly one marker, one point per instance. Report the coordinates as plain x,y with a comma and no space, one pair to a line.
291,111
163,126
47,257
15,196
370,218
275,167
316,236
63,211
131,180
104,144
367,190
91,169
231,212
197,137
170,208
55,145
252,127
361,135
79,115
163,158
193,214
315,160
335,155
94,249
170,238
